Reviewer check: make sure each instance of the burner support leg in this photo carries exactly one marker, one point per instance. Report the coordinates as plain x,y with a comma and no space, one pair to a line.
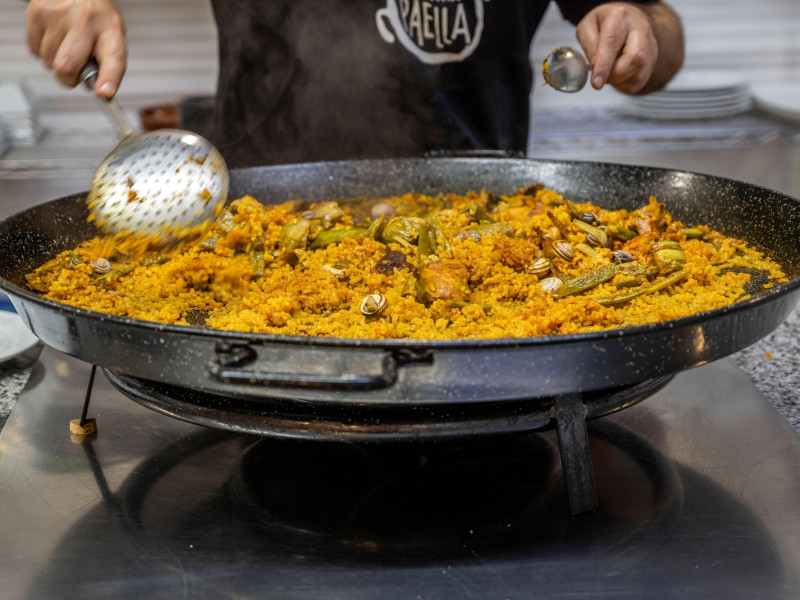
576,457
83,427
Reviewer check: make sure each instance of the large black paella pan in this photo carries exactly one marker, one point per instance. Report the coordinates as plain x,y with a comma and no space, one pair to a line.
403,372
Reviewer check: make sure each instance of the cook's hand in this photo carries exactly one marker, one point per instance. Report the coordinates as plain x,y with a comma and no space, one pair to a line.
621,46
64,34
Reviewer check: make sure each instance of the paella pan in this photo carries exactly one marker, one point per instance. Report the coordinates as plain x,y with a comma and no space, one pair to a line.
423,371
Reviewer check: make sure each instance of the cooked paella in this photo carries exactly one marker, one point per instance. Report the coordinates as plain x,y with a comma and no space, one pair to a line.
478,265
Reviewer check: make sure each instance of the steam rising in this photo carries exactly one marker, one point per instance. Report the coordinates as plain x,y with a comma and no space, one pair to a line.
294,97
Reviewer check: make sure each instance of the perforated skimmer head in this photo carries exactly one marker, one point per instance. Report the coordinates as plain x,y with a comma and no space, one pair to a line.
163,186
166,184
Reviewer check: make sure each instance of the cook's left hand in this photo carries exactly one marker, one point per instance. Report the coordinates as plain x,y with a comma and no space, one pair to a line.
621,46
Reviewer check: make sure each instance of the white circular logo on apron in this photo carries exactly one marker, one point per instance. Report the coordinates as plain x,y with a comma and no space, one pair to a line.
435,31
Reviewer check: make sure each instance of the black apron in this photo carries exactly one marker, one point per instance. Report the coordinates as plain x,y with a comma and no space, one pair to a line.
309,80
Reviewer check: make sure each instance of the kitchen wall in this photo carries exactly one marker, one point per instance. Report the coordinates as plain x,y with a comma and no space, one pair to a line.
173,49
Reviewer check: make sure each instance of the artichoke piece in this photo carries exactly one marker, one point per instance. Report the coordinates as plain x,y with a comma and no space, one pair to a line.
225,221
327,212
257,262
334,236
374,229
668,257
294,235
402,230
624,298
210,243
478,212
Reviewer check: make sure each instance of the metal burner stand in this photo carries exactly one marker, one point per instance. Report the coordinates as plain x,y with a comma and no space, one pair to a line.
331,421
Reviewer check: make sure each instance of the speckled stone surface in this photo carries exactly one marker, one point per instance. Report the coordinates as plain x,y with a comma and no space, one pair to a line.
773,363
12,382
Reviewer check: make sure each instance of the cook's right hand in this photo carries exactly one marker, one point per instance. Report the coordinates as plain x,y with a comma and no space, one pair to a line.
64,34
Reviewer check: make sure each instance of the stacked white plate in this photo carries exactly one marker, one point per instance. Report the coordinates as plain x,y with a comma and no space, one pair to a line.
17,115
15,337
781,99
693,95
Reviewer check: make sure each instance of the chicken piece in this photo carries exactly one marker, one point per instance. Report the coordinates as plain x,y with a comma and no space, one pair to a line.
445,280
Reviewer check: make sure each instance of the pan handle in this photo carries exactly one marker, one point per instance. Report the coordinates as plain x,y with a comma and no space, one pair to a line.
308,367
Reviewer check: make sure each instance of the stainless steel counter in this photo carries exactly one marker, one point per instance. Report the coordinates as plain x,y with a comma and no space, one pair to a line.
698,489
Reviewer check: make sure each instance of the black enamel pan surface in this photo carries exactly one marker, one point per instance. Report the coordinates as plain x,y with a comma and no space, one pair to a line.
403,372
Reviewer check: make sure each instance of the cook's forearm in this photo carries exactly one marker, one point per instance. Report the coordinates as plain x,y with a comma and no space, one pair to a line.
668,31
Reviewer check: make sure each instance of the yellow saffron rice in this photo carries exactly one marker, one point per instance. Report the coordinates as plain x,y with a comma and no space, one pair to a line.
480,265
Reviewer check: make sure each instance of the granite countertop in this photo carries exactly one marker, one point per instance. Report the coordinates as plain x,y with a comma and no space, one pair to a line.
12,382
14,374
773,364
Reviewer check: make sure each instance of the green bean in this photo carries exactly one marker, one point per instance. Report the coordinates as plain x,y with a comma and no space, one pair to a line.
591,279
426,245
624,298
334,236
692,233
601,275
621,233
437,232
491,229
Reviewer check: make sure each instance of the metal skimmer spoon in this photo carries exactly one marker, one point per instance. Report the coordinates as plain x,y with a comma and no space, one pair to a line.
566,70
165,185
